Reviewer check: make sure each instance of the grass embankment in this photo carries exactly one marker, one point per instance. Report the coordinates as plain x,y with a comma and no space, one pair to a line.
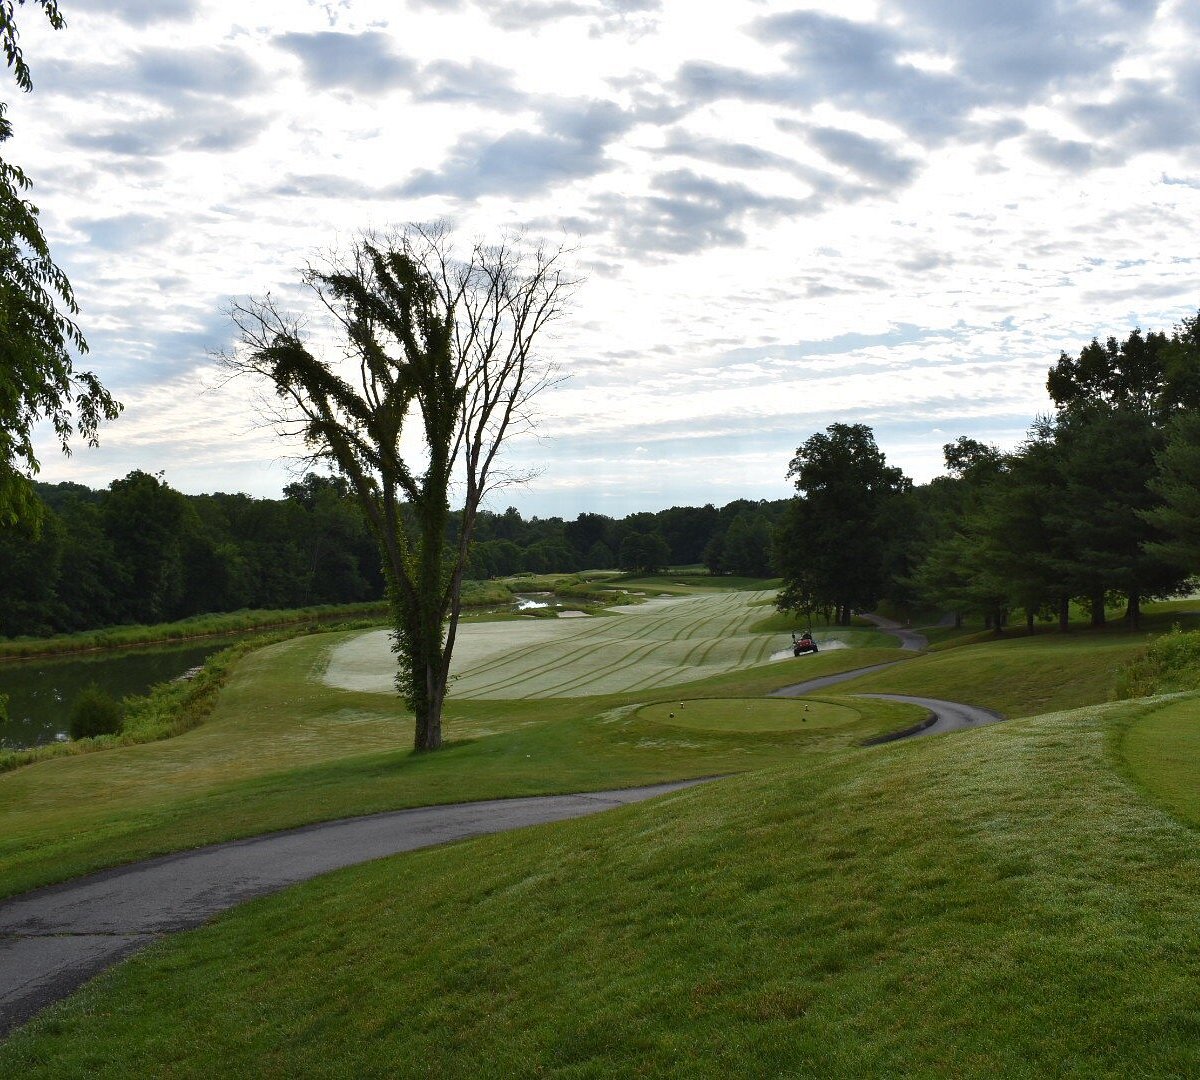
998,904
281,748
699,579
169,709
1017,677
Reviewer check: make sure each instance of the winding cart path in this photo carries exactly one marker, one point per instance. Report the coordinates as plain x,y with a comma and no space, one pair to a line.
54,939
947,715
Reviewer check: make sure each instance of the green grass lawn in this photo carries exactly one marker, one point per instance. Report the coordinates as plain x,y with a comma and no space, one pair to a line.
1003,903
762,715
282,748
1020,900
1161,753
1015,676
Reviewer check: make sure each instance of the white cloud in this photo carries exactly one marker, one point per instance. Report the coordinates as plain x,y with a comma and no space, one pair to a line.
890,210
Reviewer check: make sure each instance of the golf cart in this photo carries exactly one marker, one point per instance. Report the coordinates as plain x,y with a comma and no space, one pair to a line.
803,644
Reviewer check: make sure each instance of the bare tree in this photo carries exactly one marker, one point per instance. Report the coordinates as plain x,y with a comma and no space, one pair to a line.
433,342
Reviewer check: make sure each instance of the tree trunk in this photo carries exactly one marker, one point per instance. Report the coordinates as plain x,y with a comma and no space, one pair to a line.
1064,614
1133,611
428,691
429,727
1029,622
1098,608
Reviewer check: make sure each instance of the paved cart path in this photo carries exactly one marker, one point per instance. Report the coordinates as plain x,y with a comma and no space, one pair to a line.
55,939
947,715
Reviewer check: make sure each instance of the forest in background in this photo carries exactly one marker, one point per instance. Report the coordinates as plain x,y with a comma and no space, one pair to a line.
140,552
1100,503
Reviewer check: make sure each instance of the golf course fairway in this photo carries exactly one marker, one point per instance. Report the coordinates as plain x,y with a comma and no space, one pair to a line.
1019,900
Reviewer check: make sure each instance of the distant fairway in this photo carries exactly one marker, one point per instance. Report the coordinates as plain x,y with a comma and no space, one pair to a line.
663,642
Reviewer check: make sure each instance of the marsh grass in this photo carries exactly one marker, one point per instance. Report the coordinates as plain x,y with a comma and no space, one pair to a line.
1167,664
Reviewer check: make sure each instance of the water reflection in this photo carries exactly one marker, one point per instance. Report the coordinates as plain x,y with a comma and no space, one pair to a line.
40,691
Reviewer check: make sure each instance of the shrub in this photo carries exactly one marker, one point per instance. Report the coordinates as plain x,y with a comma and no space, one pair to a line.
94,712
1167,665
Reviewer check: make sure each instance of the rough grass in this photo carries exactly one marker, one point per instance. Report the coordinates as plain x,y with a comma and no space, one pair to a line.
998,904
1018,676
281,748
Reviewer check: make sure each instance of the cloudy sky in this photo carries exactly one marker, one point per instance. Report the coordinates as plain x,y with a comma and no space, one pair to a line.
894,212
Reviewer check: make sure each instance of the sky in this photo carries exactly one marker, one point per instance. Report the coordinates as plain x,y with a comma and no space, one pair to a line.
784,214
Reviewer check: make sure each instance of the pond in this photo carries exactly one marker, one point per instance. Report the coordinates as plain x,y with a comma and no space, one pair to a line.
40,691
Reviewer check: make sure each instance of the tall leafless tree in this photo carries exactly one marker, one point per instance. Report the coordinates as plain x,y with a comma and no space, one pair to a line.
432,341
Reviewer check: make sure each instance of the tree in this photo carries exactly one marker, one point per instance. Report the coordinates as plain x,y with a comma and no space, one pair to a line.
646,553
830,545
1178,486
746,547
1114,404
38,379
146,521
432,341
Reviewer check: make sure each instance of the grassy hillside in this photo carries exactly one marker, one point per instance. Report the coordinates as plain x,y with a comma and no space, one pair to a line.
283,748
1017,676
1004,903
1020,900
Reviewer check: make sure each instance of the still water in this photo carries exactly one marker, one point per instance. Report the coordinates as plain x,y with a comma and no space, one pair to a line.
40,691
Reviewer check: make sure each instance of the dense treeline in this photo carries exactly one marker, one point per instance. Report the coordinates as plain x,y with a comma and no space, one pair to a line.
735,539
1100,504
141,552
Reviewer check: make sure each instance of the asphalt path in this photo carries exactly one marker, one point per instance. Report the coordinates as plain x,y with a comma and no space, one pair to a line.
54,939
947,715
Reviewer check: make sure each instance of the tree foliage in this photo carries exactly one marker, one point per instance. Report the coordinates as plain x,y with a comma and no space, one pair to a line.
831,547
1177,484
1098,503
440,353
38,334
645,553
94,712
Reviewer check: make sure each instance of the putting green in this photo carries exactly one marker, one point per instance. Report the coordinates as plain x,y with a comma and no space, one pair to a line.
751,715
1162,751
